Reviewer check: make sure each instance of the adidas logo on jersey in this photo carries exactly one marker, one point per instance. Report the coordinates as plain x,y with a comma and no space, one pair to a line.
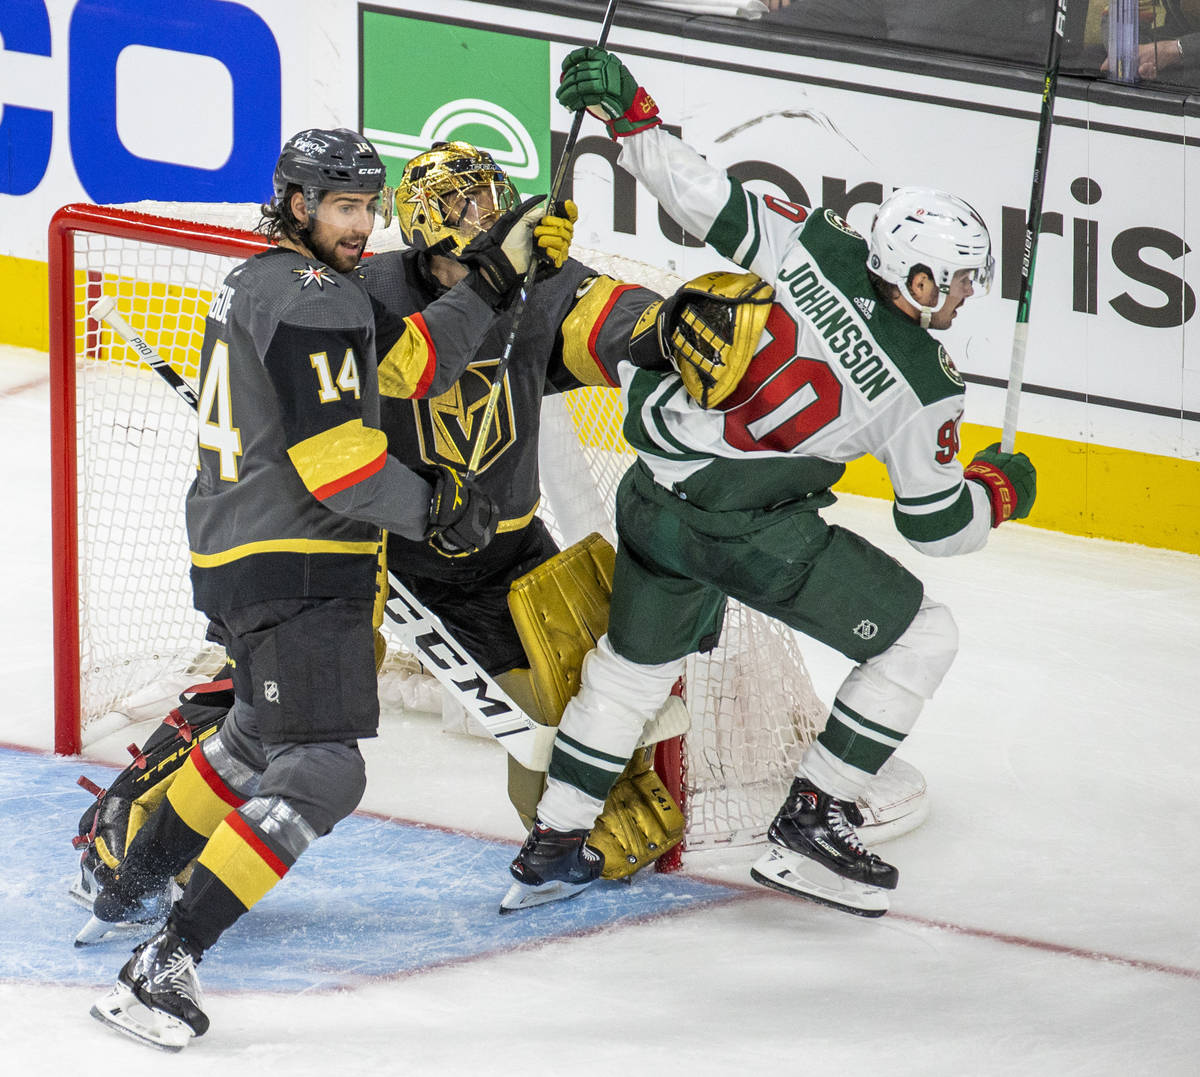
866,306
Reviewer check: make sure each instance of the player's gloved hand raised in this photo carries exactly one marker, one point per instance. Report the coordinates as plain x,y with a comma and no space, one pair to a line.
595,79
1010,480
553,236
462,518
500,257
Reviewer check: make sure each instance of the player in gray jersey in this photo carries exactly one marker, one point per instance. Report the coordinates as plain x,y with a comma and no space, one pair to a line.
284,519
818,355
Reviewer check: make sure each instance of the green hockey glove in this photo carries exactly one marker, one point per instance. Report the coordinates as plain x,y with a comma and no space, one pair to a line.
1010,480
595,79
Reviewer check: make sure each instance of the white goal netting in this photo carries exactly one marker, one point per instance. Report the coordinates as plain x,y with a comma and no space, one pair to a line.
140,641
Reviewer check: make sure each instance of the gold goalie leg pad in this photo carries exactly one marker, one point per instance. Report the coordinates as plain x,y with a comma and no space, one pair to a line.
640,821
560,609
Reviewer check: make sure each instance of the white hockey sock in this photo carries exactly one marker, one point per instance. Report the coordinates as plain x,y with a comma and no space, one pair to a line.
565,807
599,731
879,703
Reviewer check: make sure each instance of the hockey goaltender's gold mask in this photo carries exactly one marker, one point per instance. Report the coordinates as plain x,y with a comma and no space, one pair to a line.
449,195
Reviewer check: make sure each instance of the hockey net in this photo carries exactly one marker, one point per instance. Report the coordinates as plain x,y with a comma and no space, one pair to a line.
127,637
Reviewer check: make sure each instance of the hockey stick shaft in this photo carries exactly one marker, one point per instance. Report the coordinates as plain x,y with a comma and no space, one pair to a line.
1033,225
105,310
518,308
529,742
423,633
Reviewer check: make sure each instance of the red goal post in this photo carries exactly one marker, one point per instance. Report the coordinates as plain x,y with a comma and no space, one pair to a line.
73,289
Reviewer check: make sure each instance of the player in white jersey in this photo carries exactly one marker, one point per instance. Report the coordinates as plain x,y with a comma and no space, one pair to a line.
818,355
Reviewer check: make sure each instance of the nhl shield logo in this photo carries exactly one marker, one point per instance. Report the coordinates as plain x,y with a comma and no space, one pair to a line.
866,629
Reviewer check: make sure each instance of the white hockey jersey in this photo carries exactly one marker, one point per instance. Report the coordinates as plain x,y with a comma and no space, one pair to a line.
838,373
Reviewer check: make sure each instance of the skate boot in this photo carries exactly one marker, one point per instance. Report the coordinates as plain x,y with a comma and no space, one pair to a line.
157,998
551,866
816,854
125,902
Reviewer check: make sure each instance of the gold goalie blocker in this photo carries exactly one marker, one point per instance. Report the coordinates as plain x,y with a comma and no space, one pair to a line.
560,609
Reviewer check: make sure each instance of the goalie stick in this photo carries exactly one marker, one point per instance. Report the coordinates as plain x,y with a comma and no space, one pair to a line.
528,742
1033,225
493,397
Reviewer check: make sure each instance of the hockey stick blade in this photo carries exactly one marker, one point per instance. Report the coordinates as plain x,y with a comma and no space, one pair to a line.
529,742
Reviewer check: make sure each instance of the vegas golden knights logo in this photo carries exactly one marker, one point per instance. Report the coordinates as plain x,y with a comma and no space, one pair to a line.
448,425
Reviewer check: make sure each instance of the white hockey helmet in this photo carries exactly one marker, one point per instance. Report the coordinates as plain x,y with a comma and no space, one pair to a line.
920,227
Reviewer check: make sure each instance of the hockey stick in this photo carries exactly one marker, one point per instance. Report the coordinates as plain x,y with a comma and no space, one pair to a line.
528,742
518,308
104,309
1033,225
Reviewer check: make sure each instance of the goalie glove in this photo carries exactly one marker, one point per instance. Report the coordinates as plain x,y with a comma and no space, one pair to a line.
1010,480
462,518
499,259
552,236
595,79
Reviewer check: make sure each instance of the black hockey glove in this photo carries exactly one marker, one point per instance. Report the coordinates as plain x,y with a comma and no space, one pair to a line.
462,518
499,259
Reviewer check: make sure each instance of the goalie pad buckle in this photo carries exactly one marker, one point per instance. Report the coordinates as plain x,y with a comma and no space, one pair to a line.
710,328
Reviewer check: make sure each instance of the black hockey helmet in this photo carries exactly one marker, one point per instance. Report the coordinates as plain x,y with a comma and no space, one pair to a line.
337,160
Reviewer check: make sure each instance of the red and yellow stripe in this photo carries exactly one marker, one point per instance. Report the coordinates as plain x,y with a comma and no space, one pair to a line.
336,459
407,370
584,323
199,796
241,861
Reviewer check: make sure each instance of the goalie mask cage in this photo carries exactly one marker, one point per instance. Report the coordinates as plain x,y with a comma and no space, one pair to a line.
124,454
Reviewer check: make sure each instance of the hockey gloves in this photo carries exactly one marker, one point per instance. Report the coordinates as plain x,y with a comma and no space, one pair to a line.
1010,480
462,518
553,236
596,80
499,259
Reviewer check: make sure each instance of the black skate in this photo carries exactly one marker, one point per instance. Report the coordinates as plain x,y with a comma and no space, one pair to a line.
124,903
815,853
552,865
157,999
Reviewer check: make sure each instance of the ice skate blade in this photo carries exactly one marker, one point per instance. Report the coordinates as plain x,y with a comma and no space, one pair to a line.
523,896
82,892
799,876
96,931
122,1011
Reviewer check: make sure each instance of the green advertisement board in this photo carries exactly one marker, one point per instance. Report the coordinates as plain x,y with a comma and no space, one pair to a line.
425,81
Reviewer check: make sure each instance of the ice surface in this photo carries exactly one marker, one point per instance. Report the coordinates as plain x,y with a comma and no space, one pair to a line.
1044,924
